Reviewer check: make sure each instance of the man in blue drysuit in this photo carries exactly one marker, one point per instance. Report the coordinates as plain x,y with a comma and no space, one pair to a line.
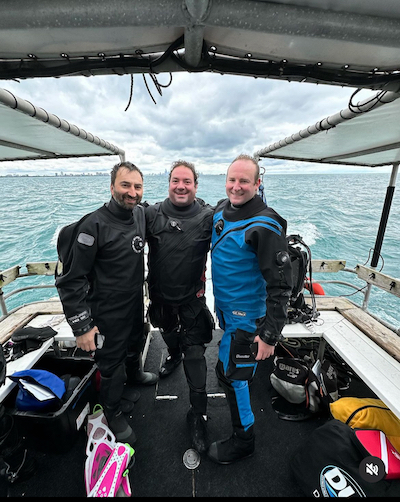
252,282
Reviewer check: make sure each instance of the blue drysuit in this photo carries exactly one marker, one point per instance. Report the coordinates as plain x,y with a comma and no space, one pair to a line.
252,281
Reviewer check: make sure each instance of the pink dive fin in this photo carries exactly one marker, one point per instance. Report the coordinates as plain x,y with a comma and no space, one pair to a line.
114,480
98,452
108,462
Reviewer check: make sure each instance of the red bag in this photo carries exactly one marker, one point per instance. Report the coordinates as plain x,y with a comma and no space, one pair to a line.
378,445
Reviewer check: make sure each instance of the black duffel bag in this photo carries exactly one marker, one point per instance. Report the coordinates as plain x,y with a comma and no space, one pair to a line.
334,463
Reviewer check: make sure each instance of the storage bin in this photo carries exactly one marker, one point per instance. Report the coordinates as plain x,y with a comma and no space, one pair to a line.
57,431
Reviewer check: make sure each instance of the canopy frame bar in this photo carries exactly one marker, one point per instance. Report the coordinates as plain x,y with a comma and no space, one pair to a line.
380,99
20,146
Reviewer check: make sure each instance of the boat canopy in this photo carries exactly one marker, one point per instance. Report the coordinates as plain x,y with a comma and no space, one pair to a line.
29,133
348,43
363,134
366,133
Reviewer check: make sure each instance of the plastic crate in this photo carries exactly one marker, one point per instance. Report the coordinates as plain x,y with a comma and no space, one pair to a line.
57,431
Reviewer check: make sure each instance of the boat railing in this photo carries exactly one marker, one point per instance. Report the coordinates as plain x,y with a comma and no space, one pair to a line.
369,277
11,274
32,269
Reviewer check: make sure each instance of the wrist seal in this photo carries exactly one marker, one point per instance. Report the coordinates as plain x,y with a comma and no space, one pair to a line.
85,329
270,339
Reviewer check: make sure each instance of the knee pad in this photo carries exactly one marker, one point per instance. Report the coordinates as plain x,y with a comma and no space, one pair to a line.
194,364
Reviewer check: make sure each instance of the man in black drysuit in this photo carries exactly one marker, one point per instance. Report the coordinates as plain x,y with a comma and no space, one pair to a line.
101,289
178,232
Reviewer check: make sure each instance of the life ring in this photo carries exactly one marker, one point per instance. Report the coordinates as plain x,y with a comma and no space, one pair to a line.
317,288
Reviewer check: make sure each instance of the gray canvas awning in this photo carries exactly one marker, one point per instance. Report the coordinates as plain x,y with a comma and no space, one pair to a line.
29,133
364,134
340,42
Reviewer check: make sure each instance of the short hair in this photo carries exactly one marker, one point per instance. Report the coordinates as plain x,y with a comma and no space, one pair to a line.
184,163
126,165
243,156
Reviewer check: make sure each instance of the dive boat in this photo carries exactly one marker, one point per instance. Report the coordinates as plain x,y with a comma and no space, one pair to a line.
314,41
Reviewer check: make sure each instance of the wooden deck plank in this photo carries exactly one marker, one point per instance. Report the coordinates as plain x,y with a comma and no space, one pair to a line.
382,336
9,275
23,315
386,282
330,303
327,265
11,323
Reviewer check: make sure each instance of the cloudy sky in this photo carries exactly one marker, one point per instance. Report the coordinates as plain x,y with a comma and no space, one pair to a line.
204,118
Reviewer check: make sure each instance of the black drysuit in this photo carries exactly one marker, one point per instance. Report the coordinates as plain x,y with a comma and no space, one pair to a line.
103,285
179,239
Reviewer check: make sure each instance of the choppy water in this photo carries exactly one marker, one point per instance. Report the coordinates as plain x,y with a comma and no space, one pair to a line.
337,215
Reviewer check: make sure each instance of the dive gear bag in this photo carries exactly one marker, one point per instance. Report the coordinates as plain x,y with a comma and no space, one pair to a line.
302,379
333,462
298,383
16,463
367,413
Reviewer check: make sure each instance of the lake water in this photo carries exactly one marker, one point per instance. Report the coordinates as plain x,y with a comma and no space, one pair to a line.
337,216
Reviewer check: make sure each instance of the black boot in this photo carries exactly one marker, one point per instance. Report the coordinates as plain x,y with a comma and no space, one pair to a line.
129,397
111,391
198,430
136,374
170,364
239,445
16,463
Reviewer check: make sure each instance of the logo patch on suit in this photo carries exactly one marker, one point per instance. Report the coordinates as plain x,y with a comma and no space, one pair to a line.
137,244
86,239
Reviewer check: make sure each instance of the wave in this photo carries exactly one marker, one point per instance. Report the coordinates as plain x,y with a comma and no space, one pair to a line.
307,231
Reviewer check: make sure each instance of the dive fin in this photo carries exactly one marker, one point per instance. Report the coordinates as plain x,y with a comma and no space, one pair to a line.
114,480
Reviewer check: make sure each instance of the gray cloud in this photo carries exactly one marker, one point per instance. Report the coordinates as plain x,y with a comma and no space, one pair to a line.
206,118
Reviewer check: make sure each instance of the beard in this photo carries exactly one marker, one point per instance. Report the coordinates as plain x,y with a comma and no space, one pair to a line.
124,200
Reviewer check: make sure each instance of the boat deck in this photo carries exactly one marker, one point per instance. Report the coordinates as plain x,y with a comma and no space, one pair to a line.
159,420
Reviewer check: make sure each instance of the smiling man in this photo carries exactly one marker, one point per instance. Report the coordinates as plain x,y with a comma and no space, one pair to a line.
252,282
127,187
178,232
102,291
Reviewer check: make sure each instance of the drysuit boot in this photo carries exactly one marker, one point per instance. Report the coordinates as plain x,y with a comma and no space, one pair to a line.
170,364
129,397
111,391
197,424
136,374
239,445
15,463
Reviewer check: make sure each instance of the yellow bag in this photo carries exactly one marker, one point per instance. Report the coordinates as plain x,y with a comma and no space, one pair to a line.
368,413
